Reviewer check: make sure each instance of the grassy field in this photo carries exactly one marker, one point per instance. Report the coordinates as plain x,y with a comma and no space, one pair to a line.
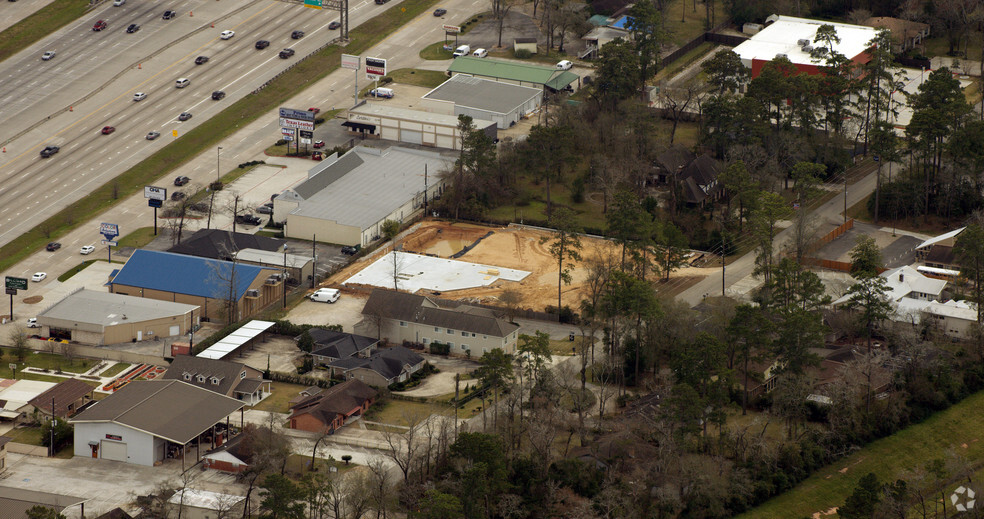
43,22
940,46
139,237
279,400
435,51
683,24
392,411
300,464
117,368
418,77
44,361
958,428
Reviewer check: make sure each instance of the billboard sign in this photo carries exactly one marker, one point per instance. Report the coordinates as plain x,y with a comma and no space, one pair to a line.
306,134
375,68
294,124
15,283
109,230
300,115
155,193
452,29
351,62
288,132
153,202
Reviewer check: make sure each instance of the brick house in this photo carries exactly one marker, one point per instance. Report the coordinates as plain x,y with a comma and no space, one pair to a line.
328,410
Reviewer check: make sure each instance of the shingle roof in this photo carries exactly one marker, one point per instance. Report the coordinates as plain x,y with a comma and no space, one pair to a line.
388,363
170,272
341,399
229,373
401,306
169,409
700,179
674,158
218,244
15,502
64,393
338,345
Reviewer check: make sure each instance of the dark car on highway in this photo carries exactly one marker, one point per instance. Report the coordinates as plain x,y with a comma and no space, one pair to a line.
296,35
218,94
100,25
286,53
334,25
262,44
169,14
108,130
49,151
248,219
52,247
184,116
132,28
201,60
182,180
440,12
153,135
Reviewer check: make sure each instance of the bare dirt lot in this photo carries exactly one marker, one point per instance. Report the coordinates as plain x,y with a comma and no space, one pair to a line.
511,247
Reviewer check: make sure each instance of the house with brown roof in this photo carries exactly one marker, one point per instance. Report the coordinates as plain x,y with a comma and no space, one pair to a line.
905,34
672,161
68,397
328,410
225,377
398,316
698,182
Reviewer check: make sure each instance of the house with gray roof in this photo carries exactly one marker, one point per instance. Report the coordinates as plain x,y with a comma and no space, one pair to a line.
384,367
468,330
151,421
330,345
225,377
346,199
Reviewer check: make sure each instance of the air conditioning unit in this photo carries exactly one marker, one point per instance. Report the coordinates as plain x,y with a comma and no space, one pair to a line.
807,48
781,55
802,41
252,293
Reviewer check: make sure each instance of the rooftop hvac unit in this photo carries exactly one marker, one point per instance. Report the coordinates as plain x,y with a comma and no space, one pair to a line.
802,41
807,48
253,293
781,55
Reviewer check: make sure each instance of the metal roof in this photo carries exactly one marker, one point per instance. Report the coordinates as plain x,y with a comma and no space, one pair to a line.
383,181
273,259
936,239
510,70
169,409
236,339
107,309
483,94
169,272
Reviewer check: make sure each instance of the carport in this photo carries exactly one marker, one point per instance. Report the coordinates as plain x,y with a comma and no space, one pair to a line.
235,341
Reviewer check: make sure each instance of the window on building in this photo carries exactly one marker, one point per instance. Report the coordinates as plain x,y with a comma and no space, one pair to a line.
201,378
450,331
464,347
437,330
242,375
450,345
403,323
426,340
473,335
464,334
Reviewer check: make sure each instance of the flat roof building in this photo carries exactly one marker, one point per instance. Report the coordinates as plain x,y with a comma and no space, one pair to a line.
439,130
485,99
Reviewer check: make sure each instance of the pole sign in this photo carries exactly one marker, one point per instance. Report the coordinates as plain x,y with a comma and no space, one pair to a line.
296,119
153,202
15,283
452,29
111,243
351,62
306,134
375,68
109,230
155,193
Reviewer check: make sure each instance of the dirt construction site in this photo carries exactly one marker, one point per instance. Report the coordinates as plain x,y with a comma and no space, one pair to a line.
513,247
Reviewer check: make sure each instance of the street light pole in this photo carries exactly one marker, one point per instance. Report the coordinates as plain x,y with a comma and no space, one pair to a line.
218,168
285,276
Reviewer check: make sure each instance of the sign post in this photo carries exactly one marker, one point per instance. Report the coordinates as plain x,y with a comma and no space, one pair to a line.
375,69
109,231
12,284
155,198
292,120
451,29
355,63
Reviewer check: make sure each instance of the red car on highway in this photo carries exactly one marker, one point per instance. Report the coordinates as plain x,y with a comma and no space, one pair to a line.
100,25
108,130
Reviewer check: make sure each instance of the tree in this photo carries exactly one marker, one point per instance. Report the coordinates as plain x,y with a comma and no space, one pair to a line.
551,149
725,72
747,332
19,341
42,512
741,188
390,229
496,371
869,296
500,9
62,435
771,208
618,74
863,502
969,251
267,451
670,249
885,146
404,448
866,259
282,498
565,247
438,505
536,350
646,26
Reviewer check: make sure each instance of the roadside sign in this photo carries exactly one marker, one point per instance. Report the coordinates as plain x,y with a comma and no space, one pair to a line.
155,193
174,133
12,366
153,202
289,132
109,230
288,138
305,140
452,29
351,62
15,283
109,242
300,115
10,291
306,134
375,68
313,4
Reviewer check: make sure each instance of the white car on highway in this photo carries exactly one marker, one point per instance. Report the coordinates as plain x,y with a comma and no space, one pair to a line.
139,96
48,55
88,249
39,276
227,34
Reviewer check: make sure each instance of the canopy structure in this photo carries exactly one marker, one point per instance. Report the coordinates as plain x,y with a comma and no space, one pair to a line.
236,339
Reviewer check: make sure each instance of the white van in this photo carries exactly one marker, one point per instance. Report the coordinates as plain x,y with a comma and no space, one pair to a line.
480,53
325,295
382,92
181,83
463,50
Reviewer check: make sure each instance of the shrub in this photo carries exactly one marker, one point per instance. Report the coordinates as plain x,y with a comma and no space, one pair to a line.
346,458
438,348
522,54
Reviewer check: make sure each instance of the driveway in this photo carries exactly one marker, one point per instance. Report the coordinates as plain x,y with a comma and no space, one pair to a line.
347,311
280,352
442,383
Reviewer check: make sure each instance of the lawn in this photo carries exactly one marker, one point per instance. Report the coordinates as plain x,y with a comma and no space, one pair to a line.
435,51
393,411
531,205
79,268
139,237
299,464
940,46
280,399
44,361
116,369
418,77
692,24
677,66
958,428
43,22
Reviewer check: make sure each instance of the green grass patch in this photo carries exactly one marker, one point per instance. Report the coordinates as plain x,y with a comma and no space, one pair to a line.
436,52
25,435
300,464
116,369
395,412
532,205
940,46
75,270
138,238
958,428
210,132
418,77
278,401
43,22
40,360
683,24
685,61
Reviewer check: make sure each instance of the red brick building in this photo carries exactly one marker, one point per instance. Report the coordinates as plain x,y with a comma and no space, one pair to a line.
327,411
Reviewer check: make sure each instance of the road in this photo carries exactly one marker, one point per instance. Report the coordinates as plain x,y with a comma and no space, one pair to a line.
400,48
831,212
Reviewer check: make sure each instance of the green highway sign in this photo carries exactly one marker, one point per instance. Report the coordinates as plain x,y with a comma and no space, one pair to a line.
313,4
18,283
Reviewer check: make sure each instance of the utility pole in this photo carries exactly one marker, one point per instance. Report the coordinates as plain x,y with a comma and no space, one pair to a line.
425,190
314,265
285,276
54,423
723,254
845,197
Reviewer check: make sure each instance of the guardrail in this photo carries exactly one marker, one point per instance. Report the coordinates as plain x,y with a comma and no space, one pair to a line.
296,63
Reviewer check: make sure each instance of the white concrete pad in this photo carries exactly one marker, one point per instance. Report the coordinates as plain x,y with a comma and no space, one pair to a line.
415,272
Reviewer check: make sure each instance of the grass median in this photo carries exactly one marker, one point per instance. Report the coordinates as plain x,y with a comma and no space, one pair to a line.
211,132
41,23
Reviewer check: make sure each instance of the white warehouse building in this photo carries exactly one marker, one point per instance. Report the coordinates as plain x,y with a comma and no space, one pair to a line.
439,130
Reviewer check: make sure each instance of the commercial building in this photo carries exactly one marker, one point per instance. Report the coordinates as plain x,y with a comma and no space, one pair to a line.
218,287
346,199
440,130
150,421
98,318
68,397
517,73
906,34
16,396
484,99
223,245
299,266
792,38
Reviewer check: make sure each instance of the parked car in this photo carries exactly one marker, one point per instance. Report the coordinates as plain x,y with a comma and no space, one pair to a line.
201,60
182,180
132,28
39,276
153,135
564,65
286,53
462,50
49,151
139,96
32,322
52,246
227,34
178,196
108,130
47,55
317,155
440,12
100,25
296,35
262,44
184,116
314,110
86,250
480,53
325,295
264,210
117,3
218,94
248,219
169,14
334,25
319,144
351,250
386,93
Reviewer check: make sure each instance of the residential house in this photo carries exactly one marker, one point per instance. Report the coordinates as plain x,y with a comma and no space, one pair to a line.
327,411
16,395
68,398
386,366
330,345
468,330
698,182
225,377
906,34
671,163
